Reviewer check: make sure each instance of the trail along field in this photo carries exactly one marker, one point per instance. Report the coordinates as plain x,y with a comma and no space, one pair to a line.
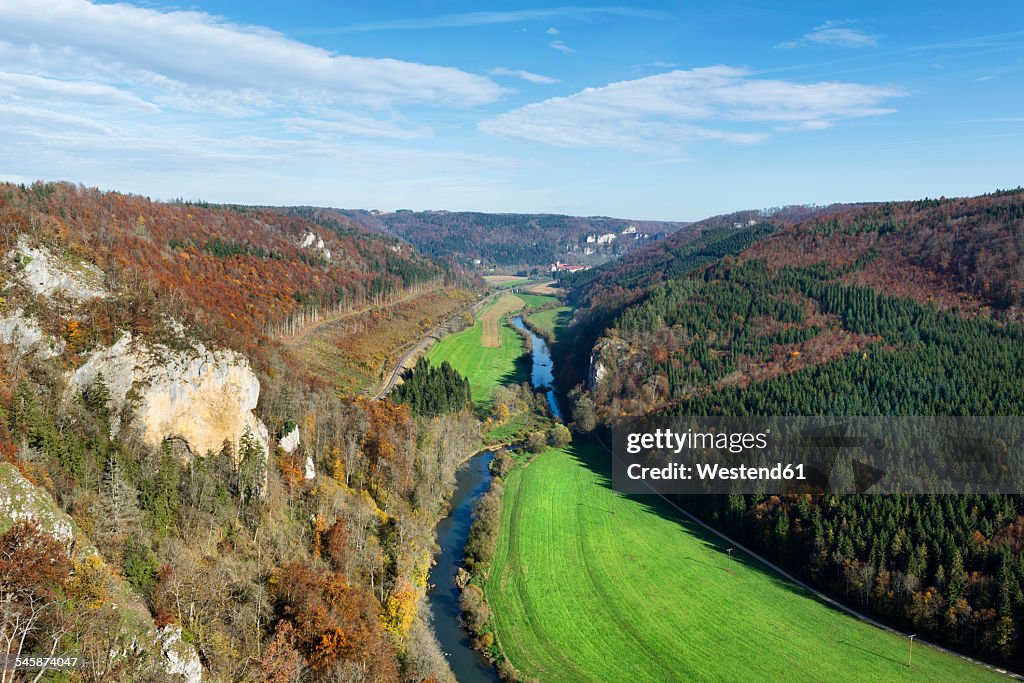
491,318
591,585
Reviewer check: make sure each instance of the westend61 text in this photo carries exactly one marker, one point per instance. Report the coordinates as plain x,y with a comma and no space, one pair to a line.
715,472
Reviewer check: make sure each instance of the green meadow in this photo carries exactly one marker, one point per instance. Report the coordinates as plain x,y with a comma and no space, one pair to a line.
486,368
553,320
591,585
537,300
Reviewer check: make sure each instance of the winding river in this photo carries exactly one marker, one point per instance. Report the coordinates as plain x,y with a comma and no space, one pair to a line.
469,665
543,373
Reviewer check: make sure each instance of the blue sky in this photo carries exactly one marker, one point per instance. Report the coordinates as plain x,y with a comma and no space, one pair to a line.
662,110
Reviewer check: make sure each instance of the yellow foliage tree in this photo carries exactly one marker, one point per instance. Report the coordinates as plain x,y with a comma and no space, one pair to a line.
399,611
88,583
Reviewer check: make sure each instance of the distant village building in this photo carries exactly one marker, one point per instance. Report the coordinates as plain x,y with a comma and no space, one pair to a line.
559,267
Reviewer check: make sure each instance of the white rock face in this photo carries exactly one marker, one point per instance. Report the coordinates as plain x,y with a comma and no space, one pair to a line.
182,659
310,468
25,335
290,441
21,500
311,240
608,353
48,274
203,397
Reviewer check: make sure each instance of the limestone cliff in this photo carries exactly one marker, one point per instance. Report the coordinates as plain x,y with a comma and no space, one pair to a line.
610,354
200,396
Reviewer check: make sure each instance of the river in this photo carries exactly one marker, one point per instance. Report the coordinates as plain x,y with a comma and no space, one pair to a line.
543,374
469,665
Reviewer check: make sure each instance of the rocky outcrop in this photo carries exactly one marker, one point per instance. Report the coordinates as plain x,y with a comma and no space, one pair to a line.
21,500
198,396
181,658
47,273
311,240
25,335
609,353
290,441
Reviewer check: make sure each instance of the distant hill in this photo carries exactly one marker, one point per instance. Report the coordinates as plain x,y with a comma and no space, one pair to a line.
515,239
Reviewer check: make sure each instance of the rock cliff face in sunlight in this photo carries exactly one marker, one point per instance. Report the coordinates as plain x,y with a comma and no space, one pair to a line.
201,396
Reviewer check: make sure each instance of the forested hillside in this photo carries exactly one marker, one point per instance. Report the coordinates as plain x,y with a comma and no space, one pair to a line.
888,309
296,548
224,272
509,239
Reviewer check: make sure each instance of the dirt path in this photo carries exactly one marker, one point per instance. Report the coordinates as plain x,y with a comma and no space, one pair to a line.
490,338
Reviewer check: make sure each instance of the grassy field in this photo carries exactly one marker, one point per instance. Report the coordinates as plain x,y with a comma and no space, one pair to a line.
537,300
591,585
505,281
553,320
486,368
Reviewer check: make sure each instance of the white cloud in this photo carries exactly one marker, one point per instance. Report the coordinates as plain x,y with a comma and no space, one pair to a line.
468,19
560,46
27,86
552,31
352,126
665,112
524,75
836,33
199,53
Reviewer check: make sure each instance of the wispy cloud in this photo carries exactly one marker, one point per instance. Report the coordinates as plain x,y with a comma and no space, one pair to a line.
173,52
468,19
116,94
349,125
552,31
524,75
666,112
561,47
837,33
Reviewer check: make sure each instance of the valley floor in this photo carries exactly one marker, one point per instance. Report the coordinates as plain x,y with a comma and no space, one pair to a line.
588,584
